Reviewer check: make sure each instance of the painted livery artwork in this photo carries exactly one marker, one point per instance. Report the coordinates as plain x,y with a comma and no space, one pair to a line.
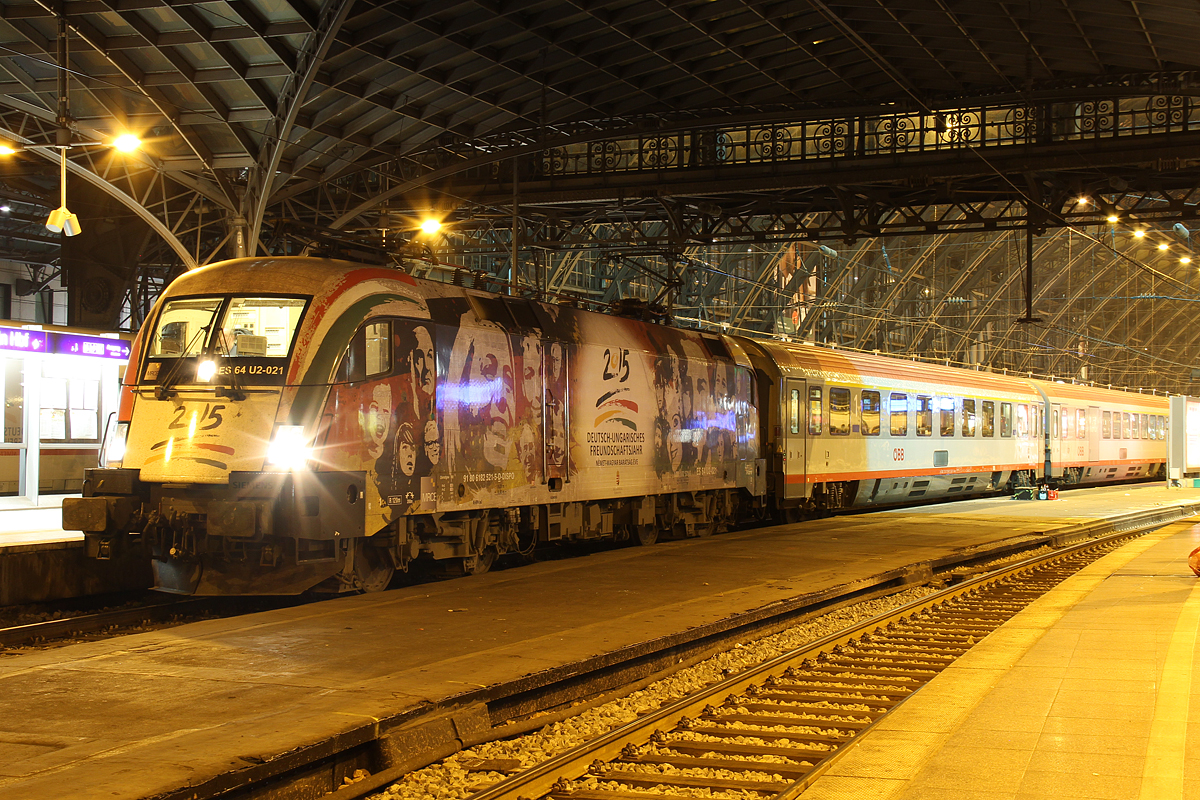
474,408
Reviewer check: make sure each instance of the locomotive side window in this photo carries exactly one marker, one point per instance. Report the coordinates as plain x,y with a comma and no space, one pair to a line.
1006,428
899,414
1106,425
989,417
839,411
870,413
794,411
378,348
968,417
924,415
946,416
814,411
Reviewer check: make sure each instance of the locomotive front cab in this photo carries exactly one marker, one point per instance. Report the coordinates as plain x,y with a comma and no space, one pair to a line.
196,463
208,389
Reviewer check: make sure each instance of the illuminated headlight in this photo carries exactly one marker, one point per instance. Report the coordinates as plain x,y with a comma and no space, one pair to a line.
288,449
114,448
206,370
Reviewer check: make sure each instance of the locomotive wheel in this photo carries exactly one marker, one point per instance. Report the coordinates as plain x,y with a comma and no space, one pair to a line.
371,568
645,535
479,563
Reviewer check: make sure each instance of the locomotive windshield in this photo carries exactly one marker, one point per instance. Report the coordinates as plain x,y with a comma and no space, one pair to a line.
233,327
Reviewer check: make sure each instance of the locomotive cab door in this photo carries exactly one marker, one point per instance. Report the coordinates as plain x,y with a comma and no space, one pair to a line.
793,447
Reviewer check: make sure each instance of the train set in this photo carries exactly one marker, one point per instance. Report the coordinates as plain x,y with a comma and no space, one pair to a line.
296,423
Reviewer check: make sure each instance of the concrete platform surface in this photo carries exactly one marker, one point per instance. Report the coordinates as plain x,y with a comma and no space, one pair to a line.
143,714
1093,691
22,523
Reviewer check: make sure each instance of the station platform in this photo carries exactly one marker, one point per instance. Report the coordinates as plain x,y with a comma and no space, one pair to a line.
24,523
1093,691
153,713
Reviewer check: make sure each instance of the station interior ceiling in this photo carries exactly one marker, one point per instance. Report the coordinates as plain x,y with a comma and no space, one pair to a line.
1006,185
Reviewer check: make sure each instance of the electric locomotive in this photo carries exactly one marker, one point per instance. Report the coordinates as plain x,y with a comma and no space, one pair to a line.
289,423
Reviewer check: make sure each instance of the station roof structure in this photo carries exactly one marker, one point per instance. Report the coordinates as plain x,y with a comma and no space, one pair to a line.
918,177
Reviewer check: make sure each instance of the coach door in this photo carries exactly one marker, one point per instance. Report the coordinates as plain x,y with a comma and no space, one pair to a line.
795,407
1093,433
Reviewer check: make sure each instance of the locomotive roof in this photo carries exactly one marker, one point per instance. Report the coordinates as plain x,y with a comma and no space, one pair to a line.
274,275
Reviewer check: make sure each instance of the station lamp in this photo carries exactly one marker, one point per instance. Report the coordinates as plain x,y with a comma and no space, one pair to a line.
430,226
61,219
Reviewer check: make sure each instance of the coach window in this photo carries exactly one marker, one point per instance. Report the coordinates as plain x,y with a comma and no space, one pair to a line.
839,411
1126,428
814,411
1106,425
989,417
924,415
899,413
968,417
1022,420
794,411
1054,424
1134,431
1081,426
946,416
870,413
1145,426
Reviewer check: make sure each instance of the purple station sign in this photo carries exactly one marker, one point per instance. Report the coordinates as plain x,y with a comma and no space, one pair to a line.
24,340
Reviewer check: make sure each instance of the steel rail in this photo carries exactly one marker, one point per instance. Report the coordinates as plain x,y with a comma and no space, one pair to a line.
543,779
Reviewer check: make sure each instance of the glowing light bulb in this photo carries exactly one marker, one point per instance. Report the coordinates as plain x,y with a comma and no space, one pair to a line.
1162,246
430,226
1138,234
1113,218
127,143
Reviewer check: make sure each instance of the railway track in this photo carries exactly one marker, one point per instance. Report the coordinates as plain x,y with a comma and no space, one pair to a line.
772,730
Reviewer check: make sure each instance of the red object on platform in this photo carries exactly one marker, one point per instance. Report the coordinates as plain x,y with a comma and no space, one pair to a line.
1194,560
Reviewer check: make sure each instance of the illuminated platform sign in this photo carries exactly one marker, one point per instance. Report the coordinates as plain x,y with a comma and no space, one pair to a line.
78,344
21,340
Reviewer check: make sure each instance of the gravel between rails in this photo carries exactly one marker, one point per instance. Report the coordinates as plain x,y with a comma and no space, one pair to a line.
454,778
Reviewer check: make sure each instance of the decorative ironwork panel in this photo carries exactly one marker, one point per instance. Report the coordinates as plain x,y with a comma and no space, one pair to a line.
895,133
606,157
831,138
773,143
1097,117
659,152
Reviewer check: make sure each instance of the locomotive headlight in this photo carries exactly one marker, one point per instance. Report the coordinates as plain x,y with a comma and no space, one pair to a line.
114,448
206,370
288,449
